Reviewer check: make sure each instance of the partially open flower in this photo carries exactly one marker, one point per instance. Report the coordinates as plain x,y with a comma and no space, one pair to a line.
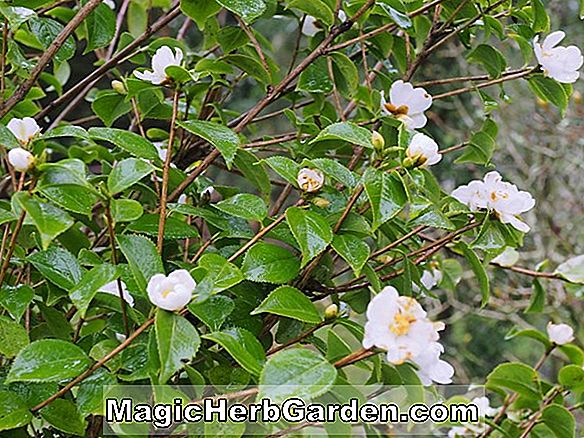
163,58
559,63
310,180
112,289
423,150
501,197
560,333
172,292
407,104
399,325
310,27
21,159
429,279
24,129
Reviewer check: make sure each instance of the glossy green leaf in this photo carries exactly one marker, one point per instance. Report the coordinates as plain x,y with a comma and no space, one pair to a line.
316,78
128,141
289,302
15,299
63,415
199,10
550,91
58,266
242,346
297,372
386,194
71,197
253,170
109,106
516,377
353,250
311,231
84,291
572,376
214,311
48,219
315,8
13,411
560,421
48,360
46,31
177,340
224,139
265,262
537,302
479,271
142,257
493,61
220,273
245,205
174,228
13,337
126,210
346,131
248,10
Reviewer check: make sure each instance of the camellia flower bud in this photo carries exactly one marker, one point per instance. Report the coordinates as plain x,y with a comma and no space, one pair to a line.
172,292
119,87
21,159
560,333
331,312
378,141
310,180
321,202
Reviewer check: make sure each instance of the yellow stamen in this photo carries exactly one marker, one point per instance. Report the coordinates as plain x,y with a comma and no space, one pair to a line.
401,110
401,323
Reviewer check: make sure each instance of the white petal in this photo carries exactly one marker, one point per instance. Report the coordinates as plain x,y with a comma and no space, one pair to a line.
553,39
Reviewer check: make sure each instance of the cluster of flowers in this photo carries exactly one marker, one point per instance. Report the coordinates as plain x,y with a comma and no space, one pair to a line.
400,326
25,130
494,194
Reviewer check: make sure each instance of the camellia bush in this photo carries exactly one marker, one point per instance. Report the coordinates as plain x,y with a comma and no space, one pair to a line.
251,194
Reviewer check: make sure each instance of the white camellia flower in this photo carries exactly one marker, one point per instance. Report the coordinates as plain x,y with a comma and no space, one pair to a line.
484,405
399,325
559,63
112,289
407,104
423,150
495,194
172,292
507,258
24,129
310,180
560,333
110,3
309,27
429,279
163,58
20,159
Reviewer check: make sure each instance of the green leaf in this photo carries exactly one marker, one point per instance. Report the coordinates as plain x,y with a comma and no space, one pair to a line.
7,138
347,77
316,78
142,257
128,141
353,250
537,303
221,137
174,228
46,31
572,270
311,231
15,299
13,337
265,262
126,210
63,415
13,411
289,302
126,173
48,219
48,360
109,106
297,372
177,340
517,377
83,292
541,20
242,346
199,10
252,66
479,271
316,8
335,170
71,197
572,377
346,131
90,399
214,311
479,150
66,131
58,266
550,91
248,10
386,194
528,333
253,170
220,274
284,166
101,27
560,421
245,205
493,61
